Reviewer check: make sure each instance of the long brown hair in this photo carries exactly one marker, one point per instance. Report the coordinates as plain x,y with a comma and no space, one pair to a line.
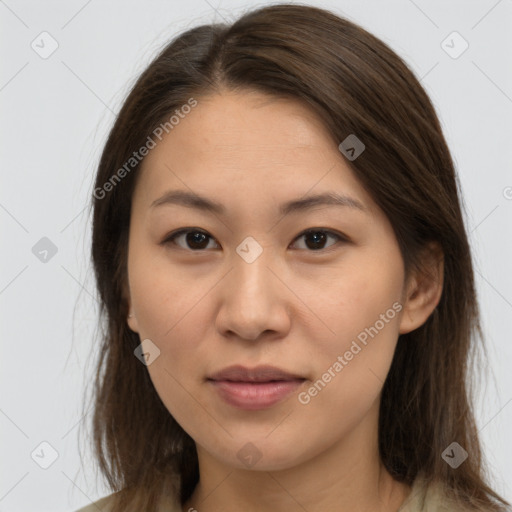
356,85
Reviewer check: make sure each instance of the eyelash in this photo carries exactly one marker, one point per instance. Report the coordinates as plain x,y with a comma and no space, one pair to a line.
172,236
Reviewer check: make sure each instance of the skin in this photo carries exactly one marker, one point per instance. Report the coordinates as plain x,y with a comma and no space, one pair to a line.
294,307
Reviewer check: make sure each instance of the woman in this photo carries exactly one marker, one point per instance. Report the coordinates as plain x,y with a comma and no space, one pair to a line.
285,279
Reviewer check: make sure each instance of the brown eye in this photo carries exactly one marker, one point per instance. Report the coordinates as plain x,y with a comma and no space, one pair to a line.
195,240
317,238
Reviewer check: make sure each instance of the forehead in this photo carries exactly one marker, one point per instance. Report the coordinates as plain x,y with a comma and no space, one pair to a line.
250,144
258,128
253,119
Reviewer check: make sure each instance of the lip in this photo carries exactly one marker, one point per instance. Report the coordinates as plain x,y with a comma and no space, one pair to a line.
256,388
262,373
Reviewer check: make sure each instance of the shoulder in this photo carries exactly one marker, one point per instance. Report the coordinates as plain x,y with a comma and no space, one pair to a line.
167,504
101,505
431,497
427,497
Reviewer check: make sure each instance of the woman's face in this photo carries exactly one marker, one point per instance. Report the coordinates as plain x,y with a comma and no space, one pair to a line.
247,287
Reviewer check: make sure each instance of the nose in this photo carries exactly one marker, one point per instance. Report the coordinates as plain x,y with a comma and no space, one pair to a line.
254,300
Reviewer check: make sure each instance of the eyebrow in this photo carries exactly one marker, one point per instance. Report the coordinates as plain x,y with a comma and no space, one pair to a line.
192,200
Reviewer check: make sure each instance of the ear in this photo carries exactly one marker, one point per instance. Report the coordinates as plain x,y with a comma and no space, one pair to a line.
131,318
132,321
423,288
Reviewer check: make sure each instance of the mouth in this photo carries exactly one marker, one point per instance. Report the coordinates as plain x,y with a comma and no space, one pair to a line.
253,389
262,373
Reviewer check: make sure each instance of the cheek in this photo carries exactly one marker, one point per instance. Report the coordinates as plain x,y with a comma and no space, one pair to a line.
162,296
170,309
175,326
351,366
362,311
359,295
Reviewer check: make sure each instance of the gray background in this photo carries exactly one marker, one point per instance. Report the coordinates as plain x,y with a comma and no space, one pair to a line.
55,115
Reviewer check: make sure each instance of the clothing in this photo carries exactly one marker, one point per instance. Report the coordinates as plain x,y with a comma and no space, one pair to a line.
421,499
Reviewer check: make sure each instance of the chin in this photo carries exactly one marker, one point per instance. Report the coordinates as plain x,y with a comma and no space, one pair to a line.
260,454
